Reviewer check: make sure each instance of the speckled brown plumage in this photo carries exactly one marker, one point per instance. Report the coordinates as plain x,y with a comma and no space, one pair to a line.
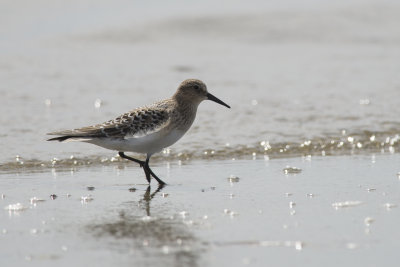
139,121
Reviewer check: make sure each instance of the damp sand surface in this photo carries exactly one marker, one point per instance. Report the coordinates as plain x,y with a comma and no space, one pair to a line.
339,210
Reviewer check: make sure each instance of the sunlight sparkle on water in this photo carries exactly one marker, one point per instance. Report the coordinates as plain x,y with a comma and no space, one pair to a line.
15,207
86,199
346,204
98,103
47,102
365,101
35,200
298,245
389,206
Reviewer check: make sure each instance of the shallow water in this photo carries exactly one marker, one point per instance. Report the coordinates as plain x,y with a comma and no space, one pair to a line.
213,213
303,170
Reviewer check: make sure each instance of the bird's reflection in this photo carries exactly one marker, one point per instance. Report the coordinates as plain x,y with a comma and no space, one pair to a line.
148,196
155,233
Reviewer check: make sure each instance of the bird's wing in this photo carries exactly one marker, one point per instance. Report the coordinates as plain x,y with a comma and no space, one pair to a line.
137,122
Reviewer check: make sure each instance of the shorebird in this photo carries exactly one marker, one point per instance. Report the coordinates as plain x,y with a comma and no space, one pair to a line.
146,130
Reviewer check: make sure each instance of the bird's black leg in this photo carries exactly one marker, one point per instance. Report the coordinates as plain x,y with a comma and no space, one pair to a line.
147,173
146,166
140,162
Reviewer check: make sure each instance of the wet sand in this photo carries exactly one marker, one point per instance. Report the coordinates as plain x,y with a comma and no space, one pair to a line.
340,210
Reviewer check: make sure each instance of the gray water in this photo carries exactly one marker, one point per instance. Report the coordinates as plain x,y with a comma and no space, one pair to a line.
312,85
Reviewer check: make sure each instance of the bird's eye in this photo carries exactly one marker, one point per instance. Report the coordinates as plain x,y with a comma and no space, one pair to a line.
196,87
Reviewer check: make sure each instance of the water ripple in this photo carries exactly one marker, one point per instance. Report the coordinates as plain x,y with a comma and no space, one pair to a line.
346,144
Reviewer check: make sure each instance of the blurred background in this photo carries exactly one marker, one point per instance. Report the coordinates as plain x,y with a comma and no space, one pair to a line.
309,77
296,73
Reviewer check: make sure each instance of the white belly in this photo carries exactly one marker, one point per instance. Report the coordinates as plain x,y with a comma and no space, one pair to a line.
147,144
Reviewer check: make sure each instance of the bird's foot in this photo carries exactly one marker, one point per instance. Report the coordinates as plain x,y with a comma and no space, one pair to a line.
150,173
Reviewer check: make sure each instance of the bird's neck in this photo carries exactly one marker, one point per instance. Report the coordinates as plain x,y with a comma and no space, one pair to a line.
186,104
187,111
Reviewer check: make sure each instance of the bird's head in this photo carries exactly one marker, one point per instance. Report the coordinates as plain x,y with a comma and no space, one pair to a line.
195,91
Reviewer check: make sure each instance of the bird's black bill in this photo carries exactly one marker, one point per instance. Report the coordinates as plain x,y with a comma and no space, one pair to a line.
216,100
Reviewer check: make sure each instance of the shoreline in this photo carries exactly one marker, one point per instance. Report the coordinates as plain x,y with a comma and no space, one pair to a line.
22,165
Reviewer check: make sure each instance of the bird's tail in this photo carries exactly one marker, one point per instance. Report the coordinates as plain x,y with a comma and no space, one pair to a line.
66,137
69,135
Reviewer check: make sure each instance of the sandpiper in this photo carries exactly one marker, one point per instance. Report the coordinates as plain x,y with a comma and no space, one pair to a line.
149,129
